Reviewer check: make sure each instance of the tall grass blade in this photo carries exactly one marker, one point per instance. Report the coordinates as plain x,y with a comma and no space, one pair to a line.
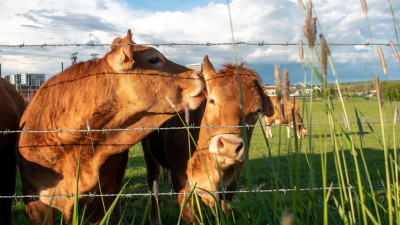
146,211
109,211
245,139
76,201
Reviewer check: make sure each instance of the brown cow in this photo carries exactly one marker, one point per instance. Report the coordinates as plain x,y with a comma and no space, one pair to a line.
12,106
125,89
279,119
170,148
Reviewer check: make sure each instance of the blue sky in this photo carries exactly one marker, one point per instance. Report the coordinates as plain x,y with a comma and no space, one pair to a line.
169,5
271,21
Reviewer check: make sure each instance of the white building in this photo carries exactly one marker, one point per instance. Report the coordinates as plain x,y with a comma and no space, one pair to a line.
15,79
31,79
195,66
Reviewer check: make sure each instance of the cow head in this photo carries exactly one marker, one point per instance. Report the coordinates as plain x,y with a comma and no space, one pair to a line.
150,77
223,109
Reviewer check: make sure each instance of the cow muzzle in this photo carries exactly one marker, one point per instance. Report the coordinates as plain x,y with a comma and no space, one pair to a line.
228,148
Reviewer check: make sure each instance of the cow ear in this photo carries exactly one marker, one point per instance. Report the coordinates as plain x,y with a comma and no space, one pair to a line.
208,69
121,59
268,107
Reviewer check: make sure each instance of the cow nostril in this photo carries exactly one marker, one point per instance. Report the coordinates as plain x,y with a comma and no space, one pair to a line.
238,149
220,144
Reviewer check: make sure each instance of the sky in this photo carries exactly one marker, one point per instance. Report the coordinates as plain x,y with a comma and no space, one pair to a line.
254,21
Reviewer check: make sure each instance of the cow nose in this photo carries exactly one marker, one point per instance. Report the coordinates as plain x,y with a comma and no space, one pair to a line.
238,149
228,146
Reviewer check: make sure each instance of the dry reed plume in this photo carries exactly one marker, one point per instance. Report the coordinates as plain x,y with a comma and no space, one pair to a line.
286,85
301,5
286,219
187,115
382,59
310,29
364,6
378,88
325,52
301,54
278,87
396,55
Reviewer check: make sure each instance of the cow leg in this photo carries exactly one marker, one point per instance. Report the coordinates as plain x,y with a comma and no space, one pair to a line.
268,129
37,212
265,128
153,173
95,209
111,180
187,213
298,131
119,183
8,170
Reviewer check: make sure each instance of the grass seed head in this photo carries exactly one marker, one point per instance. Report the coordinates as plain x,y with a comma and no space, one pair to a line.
286,219
286,85
324,55
187,115
170,101
301,5
364,6
278,87
301,54
310,29
396,55
382,59
379,91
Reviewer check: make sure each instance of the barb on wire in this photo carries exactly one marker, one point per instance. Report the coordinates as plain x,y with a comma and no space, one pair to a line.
207,44
176,193
88,129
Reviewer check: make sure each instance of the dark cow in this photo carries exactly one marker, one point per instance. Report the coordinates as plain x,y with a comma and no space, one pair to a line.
12,106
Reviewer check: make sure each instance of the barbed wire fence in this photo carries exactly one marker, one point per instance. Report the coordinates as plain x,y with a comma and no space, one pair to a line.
207,44
105,131
129,195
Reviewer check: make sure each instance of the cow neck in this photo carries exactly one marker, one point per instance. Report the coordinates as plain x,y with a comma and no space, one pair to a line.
198,117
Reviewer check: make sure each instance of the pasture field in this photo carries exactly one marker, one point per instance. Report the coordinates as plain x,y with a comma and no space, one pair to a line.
250,208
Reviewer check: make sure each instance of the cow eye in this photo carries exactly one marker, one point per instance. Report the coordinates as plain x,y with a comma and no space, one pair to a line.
155,60
212,102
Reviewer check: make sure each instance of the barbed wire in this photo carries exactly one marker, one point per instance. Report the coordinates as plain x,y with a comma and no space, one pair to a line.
207,44
105,131
176,193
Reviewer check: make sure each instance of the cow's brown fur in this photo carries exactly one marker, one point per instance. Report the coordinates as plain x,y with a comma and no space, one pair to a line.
287,118
12,106
170,148
125,89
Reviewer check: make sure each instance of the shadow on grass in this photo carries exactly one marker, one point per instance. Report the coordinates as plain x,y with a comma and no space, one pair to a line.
283,166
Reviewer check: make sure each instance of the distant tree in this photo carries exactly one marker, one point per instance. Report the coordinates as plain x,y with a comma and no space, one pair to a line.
332,91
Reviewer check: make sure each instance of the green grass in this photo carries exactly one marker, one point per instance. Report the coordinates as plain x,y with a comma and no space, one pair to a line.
282,161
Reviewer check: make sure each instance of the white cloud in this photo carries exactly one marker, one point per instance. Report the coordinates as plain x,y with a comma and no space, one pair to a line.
100,21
